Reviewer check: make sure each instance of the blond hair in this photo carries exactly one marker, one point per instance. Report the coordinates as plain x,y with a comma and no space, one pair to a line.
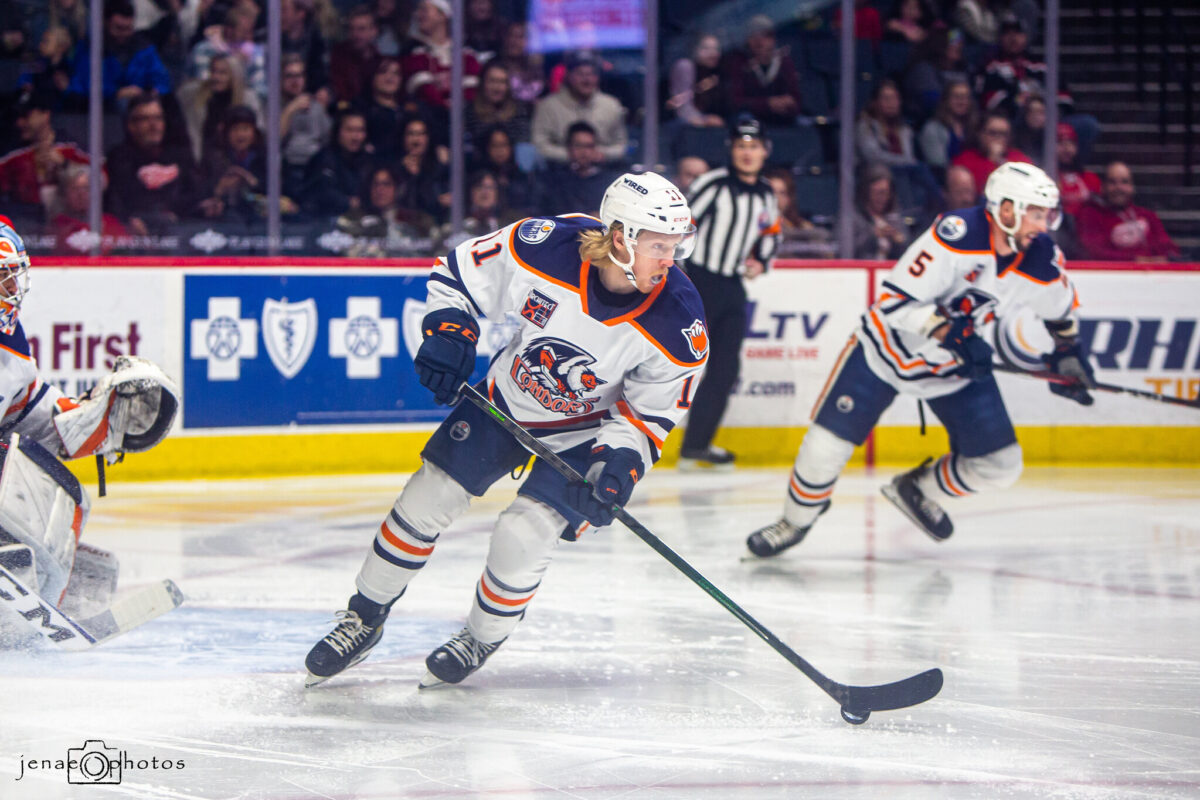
597,245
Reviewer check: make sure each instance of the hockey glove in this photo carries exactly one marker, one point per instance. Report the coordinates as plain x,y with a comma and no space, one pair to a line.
974,355
447,356
1071,360
611,476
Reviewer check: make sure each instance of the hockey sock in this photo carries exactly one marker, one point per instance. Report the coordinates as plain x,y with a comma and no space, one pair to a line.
405,540
522,546
821,459
955,475
944,478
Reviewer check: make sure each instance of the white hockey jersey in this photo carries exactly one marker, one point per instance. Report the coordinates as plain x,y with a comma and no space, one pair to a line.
27,404
953,268
584,362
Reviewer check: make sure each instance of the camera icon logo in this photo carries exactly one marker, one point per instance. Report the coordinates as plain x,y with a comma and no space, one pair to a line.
94,762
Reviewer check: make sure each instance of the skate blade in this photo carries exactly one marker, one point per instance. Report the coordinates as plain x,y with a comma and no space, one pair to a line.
430,681
894,498
312,680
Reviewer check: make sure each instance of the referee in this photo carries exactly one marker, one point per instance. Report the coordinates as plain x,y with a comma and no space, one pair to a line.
737,233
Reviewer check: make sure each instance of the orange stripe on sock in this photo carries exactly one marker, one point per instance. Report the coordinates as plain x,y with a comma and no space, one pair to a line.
400,544
949,483
809,495
495,598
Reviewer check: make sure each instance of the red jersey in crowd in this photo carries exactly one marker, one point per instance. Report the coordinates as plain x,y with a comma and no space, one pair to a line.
20,176
981,166
1076,187
1122,234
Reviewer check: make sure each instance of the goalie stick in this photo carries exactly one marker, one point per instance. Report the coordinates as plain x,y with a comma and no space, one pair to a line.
126,613
1068,380
857,702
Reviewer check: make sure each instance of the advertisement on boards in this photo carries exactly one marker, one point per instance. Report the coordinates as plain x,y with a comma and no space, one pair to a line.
321,349
78,321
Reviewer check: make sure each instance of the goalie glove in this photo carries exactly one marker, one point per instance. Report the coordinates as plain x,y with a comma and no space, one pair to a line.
130,410
1070,359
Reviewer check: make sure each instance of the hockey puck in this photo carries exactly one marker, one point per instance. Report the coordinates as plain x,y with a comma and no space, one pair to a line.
855,717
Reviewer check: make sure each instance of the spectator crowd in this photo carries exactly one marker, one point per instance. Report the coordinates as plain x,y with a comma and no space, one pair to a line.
365,119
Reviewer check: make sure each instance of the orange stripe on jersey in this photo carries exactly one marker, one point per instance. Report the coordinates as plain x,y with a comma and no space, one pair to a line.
774,229
495,598
512,251
398,543
20,404
837,368
77,522
948,481
650,298
19,355
628,414
662,349
809,495
939,240
909,366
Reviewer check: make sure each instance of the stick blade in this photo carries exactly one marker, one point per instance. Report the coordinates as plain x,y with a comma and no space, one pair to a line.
903,693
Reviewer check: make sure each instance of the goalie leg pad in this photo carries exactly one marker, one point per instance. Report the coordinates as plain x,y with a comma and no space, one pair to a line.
42,506
405,540
522,546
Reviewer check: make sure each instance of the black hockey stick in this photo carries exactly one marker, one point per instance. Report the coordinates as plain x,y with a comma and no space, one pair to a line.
1068,380
857,702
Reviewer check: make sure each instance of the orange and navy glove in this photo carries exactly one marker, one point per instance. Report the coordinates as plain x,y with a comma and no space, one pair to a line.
974,355
611,476
447,356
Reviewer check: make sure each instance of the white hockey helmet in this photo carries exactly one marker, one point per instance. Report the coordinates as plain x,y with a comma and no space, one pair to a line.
647,202
1025,185
14,277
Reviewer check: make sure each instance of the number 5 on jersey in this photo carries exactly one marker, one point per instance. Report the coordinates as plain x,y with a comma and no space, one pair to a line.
918,267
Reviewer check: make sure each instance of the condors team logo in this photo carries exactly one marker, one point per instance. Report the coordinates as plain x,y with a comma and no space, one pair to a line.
558,375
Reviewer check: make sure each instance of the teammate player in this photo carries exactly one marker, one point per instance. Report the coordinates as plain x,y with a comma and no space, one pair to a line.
605,361
43,507
963,281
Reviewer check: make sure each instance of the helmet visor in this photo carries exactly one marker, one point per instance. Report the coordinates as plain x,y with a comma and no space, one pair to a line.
661,246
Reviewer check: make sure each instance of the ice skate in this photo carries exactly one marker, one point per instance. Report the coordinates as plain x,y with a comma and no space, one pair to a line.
359,629
456,659
717,459
779,536
925,513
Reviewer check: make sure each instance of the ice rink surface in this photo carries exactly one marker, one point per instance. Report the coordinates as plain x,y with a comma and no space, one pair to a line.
1065,614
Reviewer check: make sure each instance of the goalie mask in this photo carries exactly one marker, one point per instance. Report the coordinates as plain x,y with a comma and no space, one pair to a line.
647,202
14,277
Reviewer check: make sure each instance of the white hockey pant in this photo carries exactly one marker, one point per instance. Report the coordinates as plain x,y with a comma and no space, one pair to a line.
819,463
955,475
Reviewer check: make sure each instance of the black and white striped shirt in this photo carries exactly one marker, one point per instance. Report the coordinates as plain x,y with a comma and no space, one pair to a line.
734,221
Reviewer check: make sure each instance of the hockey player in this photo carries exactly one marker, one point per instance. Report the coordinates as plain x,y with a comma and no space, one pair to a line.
610,346
960,284
43,508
